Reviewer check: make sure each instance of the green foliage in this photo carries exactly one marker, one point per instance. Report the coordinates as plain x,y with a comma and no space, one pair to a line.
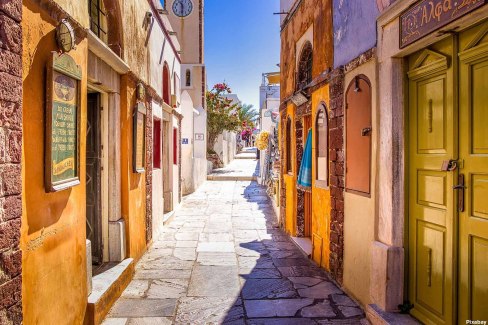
222,114
248,116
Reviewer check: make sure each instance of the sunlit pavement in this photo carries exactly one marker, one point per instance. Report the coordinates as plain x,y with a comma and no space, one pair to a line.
222,260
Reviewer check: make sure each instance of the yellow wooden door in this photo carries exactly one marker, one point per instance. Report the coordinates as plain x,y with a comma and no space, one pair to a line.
473,147
432,115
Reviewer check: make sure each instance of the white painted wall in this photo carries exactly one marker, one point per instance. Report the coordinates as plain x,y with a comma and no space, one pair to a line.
157,181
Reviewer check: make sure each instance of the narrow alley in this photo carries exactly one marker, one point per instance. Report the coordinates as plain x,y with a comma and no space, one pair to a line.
223,259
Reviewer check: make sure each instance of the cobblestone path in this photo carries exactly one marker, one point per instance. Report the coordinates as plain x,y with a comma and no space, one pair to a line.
222,260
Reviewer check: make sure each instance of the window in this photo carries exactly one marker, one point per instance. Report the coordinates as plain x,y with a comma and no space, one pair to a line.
322,146
157,144
305,64
175,146
188,78
98,19
288,146
358,136
166,84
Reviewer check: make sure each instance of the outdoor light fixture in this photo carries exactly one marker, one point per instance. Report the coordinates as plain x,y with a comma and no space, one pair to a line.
148,18
299,98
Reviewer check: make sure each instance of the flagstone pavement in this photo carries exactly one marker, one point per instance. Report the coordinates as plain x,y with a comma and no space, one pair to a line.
223,260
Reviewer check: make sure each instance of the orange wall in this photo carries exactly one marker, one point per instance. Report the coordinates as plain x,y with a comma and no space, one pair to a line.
290,179
320,196
133,185
53,225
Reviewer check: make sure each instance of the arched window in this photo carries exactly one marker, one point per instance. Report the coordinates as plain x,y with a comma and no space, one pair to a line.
305,64
105,23
288,145
188,78
322,146
166,84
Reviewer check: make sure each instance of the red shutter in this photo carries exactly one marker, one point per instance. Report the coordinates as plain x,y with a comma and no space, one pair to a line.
175,146
157,144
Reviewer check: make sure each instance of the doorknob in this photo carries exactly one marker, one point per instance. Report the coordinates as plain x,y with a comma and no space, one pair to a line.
460,187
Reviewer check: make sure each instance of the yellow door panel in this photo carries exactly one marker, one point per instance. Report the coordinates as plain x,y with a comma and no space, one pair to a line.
431,202
473,149
430,264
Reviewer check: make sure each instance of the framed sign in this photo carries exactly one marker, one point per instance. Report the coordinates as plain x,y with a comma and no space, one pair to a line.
62,157
184,141
199,136
429,15
139,139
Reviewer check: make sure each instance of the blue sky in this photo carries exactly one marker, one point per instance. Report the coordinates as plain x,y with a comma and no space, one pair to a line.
242,41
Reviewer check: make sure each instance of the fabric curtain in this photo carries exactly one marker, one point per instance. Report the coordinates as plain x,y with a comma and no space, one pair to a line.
304,180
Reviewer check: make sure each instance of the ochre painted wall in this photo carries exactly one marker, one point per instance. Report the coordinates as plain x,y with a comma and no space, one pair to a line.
310,12
290,179
53,225
320,195
133,185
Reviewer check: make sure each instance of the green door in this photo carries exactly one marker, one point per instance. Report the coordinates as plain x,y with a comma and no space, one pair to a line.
431,199
473,148
448,203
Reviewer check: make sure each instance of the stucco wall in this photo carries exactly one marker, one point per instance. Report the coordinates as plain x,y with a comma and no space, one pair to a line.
54,224
132,184
310,12
320,195
359,211
354,29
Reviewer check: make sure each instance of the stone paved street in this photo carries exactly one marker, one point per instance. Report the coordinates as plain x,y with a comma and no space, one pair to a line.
222,260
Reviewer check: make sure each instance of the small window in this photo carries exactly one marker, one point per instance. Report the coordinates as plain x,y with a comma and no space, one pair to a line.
288,146
358,136
322,146
305,65
166,84
188,78
98,19
175,146
157,144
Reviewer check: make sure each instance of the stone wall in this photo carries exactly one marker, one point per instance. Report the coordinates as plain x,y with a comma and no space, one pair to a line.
10,161
337,181
149,169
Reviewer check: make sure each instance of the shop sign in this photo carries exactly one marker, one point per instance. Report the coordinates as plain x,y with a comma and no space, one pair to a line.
429,15
139,138
62,158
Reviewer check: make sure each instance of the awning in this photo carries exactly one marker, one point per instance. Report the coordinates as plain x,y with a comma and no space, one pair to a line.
273,78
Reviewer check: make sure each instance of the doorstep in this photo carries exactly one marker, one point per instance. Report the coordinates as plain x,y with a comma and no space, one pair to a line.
107,288
168,217
379,317
216,177
304,244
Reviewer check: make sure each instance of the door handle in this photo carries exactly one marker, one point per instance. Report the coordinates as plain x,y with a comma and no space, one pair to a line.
366,131
460,187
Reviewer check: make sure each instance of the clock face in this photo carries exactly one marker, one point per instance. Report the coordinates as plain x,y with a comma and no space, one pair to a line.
182,8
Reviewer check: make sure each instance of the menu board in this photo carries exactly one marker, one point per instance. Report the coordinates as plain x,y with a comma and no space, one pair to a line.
139,140
62,112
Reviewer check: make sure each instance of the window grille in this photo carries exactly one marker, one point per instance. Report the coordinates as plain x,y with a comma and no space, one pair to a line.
98,19
305,65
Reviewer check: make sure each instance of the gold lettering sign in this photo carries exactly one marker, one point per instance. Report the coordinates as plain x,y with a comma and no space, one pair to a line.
139,139
429,15
62,123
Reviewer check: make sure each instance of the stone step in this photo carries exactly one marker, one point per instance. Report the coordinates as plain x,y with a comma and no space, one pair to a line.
107,288
231,178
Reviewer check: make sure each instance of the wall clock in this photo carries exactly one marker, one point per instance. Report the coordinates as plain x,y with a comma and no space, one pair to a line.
182,8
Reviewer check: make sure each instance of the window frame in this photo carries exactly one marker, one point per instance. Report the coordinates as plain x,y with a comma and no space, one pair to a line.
321,183
166,93
188,78
101,13
305,67
288,140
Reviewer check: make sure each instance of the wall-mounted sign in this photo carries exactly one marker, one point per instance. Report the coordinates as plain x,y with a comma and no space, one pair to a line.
139,139
199,136
429,15
65,36
184,141
62,165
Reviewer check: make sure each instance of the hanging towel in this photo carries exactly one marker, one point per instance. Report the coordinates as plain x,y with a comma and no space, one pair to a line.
304,180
